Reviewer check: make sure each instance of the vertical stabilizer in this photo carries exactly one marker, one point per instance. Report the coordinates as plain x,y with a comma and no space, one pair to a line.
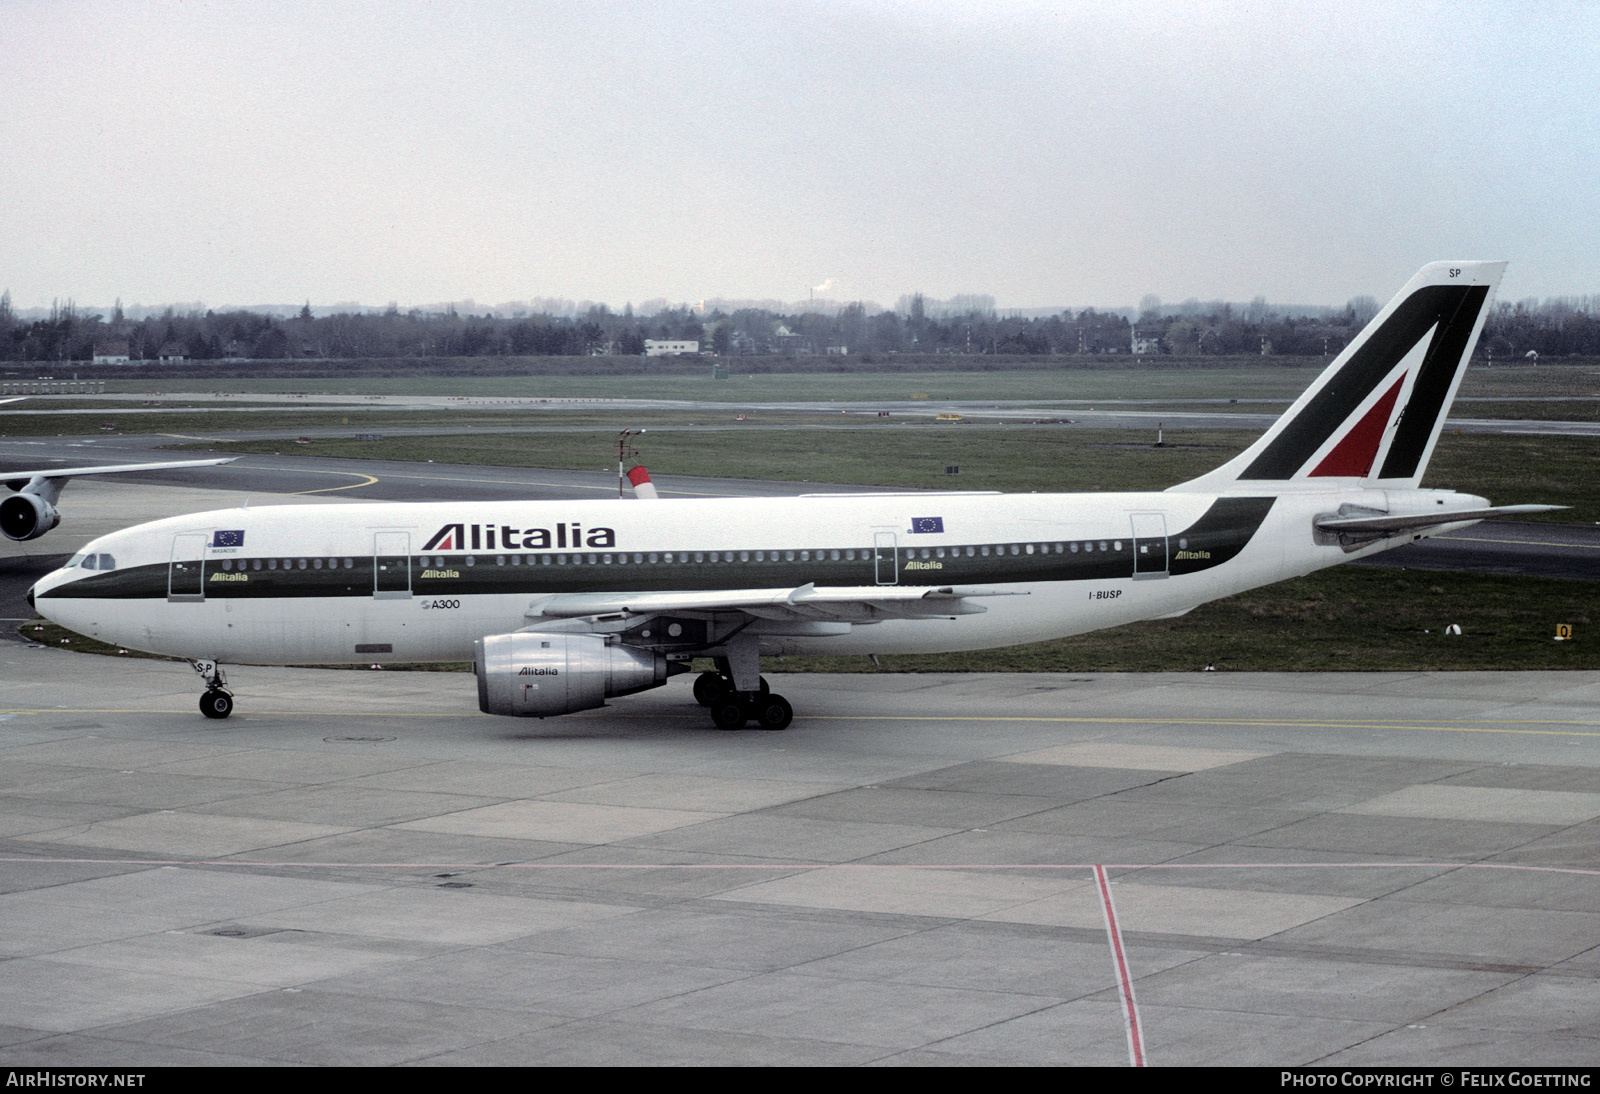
1374,415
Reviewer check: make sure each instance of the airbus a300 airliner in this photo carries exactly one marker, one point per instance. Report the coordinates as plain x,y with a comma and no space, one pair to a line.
562,605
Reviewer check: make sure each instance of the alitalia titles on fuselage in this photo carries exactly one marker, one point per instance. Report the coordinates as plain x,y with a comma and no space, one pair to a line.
485,537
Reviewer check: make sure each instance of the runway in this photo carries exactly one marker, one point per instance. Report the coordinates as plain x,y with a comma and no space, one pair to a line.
358,868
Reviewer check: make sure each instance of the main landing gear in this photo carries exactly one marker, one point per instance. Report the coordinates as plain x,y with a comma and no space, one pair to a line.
217,702
731,709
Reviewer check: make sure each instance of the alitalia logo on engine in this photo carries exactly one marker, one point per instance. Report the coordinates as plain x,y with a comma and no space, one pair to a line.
529,670
503,537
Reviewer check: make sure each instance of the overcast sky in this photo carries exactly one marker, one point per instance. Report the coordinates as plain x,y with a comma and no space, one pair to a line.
1048,154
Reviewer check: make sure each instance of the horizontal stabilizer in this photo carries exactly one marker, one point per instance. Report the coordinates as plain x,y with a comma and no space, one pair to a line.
1415,522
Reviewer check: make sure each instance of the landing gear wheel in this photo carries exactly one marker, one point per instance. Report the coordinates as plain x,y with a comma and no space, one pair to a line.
709,687
729,713
216,704
773,712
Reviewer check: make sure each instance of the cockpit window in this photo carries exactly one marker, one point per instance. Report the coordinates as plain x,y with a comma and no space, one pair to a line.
107,562
76,560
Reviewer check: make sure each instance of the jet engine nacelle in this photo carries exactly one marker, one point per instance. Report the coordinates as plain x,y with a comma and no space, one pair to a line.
27,516
533,674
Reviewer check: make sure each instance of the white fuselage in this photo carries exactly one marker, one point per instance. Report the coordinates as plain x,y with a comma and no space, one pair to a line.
406,582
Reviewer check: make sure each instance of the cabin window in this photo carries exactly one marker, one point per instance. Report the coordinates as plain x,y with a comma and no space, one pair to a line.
984,551
654,558
472,560
1103,546
1030,549
316,564
594,560
544,560
227,563
1117,545
561,560
969,552
788,556
638,560
744,556
1073,547
1183,543
699,556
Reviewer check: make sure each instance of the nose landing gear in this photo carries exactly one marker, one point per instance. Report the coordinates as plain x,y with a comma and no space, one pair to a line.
217,702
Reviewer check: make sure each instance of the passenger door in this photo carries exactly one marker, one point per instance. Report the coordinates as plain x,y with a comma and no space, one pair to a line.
186,578
391,566
1149,545
885,559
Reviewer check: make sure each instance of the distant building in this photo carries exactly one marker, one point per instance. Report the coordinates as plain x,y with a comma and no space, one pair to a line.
787,341
170,352
655,348
1144,343
235,351
838,351
111,353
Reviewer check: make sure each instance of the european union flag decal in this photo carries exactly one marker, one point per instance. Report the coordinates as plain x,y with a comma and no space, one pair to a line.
227,539
926,524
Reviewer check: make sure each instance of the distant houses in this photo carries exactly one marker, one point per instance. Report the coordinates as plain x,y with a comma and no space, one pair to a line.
1145,343
662,348
171,352
111,353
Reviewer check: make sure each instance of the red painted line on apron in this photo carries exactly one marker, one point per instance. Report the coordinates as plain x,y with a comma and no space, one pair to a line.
1130,1009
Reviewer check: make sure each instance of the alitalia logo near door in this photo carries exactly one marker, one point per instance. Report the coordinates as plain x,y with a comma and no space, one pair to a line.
503,537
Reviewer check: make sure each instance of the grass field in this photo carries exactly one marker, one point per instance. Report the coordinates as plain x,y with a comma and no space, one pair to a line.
1347,619
1273,381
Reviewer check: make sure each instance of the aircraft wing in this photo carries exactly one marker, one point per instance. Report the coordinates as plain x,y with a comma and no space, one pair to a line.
1416,522
18,479
854,604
